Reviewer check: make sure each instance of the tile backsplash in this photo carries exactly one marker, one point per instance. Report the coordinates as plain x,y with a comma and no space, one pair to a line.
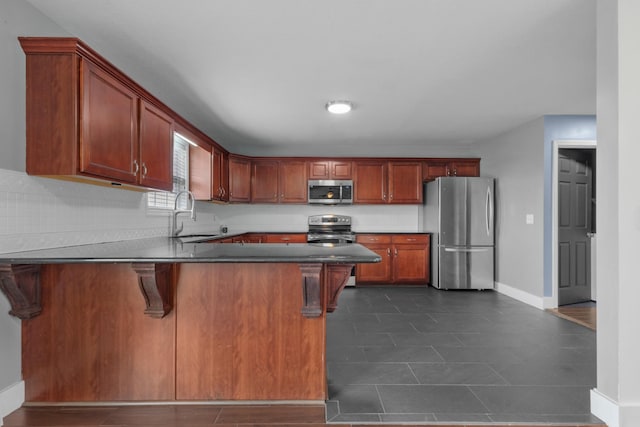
40,213
37,213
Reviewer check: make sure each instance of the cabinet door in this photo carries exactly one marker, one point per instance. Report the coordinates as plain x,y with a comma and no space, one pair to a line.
410,263
293,182
156,147
330,169
220,175
376,272
264,181
411,258
405,182
465,168
239,179
433,169
200,172
320,169
109,126
341,170
370,182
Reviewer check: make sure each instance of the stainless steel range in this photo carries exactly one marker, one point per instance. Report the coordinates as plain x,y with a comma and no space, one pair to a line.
330,229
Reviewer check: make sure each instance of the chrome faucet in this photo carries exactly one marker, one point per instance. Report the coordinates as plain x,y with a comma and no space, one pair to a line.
174,224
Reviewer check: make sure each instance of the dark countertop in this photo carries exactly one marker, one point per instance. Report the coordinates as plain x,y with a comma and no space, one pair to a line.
168,250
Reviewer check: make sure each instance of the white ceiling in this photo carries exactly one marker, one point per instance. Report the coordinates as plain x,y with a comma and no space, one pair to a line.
426,76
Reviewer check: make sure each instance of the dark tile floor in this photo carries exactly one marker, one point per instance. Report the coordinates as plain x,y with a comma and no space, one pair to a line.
408,354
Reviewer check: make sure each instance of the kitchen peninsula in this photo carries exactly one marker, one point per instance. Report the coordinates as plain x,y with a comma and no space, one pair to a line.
166,319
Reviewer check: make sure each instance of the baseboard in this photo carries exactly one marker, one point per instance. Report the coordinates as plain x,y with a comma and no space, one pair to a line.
522,296
612,413
11,398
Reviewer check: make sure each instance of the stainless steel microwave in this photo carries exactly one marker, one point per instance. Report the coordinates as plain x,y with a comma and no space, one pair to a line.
331,192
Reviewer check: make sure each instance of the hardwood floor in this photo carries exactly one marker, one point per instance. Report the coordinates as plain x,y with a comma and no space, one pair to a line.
585,316
194,415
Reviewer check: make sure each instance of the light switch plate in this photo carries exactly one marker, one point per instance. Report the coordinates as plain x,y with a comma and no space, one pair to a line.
529,219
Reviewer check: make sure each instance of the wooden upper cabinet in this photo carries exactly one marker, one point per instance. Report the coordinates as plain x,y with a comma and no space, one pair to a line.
293,181
279,181
264,181
109,126
200,172
370,182
220,175
435,168
156,148
463,167
239,179
388,182
85,119
330,169
405,182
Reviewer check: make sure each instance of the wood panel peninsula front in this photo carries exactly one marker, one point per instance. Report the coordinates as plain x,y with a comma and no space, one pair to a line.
166,319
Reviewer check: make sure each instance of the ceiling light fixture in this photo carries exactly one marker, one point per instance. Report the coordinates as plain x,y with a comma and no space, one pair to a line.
338,107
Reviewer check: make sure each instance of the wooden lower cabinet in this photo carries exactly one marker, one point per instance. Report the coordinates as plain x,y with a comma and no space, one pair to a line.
265,238
93,342
237,331
285,238
241,335
405,259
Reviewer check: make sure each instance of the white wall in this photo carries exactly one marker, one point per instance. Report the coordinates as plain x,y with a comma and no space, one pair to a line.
516,160
617,397
17,17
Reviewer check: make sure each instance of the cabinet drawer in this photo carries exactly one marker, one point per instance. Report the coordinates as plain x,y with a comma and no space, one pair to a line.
373,238
411,238
285,238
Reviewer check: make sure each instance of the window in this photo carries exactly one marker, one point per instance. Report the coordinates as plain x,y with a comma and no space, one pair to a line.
164,199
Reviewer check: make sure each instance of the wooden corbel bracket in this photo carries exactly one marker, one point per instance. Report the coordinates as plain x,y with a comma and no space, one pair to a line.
337,278
156,285
311,290
21,285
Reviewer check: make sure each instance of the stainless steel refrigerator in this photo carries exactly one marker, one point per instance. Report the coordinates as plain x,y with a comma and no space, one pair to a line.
460,213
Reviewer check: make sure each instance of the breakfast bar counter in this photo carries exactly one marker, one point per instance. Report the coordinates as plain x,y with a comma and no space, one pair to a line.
165,319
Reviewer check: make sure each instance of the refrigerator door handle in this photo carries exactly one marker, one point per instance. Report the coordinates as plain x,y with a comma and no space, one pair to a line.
489,211
467,249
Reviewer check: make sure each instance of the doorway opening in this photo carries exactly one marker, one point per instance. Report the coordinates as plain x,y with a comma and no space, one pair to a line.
574,233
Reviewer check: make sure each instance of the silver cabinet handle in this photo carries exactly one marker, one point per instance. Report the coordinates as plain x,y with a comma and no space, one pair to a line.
389,251
136,167
144,169
395,251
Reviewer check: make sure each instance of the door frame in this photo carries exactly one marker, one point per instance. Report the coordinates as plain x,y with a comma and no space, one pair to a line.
557,145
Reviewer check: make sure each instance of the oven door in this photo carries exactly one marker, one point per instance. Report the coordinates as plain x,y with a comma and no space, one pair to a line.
335,238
